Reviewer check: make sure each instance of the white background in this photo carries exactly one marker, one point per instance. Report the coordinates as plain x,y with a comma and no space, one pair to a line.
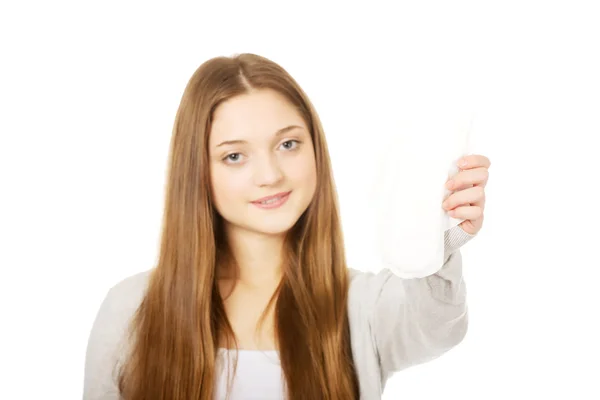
88,96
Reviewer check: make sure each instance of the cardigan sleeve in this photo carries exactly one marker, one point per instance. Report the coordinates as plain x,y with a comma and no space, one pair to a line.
417,320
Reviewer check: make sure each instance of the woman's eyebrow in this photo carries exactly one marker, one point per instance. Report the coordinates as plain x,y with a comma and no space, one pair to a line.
278,133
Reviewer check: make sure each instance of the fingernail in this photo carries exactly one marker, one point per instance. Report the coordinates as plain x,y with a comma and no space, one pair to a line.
450,184
463,163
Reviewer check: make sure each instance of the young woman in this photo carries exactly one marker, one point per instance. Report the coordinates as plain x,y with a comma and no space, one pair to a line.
252,273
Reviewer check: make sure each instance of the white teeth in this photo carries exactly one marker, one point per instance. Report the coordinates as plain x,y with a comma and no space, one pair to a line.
271,201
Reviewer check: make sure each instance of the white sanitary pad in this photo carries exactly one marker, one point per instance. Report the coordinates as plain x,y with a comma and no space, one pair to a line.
420,156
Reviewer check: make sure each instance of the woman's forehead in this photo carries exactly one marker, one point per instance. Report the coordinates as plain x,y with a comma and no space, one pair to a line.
254,117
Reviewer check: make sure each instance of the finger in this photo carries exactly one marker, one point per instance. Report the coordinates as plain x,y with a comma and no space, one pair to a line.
473,195
478,203
467,212
477,176
474,161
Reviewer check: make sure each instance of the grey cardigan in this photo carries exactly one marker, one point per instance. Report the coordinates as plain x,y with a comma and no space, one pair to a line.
394,322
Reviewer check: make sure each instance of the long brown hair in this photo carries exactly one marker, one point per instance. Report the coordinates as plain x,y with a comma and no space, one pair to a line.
176,331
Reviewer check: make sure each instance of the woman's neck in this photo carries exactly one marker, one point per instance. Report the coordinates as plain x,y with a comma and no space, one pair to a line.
258,257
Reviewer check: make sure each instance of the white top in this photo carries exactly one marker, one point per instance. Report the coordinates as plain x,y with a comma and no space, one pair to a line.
258,375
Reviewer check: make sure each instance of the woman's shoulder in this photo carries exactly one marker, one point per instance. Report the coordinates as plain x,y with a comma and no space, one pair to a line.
361,280
131,288
125,296
119,305
363,293
122,300
365,283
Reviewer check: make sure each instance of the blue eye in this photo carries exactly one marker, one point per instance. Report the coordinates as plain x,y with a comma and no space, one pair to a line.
290,141
231,158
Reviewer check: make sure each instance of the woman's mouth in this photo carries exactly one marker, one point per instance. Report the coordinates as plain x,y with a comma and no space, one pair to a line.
274,201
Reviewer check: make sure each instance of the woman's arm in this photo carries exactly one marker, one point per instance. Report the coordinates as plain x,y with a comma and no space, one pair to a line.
417,320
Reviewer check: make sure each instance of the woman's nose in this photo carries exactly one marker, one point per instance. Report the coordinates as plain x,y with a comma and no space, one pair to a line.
267,171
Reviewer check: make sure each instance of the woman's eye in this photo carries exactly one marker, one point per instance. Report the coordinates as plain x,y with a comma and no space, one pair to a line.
233,157
290,144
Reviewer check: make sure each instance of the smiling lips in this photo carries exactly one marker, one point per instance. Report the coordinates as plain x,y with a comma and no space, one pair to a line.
274,201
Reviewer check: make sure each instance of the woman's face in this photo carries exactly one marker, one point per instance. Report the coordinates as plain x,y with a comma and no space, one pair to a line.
256,152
